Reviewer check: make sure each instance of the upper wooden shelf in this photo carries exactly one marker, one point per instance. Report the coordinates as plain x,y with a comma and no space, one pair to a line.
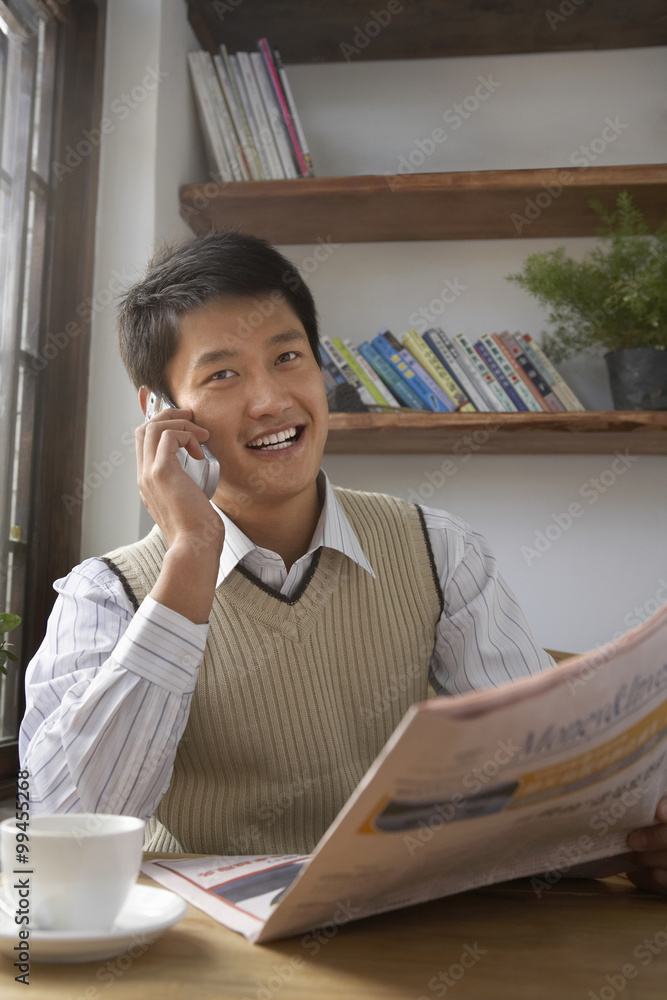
307,32
419,432
487,204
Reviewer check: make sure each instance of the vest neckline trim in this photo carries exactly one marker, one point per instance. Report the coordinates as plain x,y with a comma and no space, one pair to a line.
299,592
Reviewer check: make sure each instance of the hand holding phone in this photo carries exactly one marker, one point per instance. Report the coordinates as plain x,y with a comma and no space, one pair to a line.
193,531
205,472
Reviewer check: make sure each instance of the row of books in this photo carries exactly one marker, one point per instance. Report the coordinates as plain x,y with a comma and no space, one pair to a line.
251,128
499,372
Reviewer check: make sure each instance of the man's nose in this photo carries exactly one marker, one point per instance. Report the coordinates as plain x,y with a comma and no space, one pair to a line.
266,394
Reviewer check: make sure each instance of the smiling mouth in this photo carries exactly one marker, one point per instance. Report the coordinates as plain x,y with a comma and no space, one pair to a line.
278,445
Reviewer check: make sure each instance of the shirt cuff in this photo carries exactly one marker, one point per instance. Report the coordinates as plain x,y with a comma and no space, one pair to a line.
163,647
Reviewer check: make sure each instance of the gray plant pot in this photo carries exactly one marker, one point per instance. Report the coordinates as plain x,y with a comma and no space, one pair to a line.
638,377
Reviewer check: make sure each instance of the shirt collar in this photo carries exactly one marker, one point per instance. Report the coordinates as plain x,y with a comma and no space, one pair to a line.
333,531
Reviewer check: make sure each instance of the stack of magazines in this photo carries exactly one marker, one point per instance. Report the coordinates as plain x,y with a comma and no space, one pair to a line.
251,127
503,372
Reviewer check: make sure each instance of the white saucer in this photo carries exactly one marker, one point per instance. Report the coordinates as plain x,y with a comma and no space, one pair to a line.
146,914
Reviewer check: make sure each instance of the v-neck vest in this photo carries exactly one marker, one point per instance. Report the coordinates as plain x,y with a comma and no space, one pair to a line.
296,697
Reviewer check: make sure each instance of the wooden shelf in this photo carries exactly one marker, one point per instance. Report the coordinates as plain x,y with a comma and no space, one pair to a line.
493,204
423,433
487,204
307,32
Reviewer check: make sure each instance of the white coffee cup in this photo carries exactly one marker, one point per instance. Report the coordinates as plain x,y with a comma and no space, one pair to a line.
79,871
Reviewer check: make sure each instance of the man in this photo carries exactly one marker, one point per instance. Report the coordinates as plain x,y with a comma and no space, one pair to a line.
232,676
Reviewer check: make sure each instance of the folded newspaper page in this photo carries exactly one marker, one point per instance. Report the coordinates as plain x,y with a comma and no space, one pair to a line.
537,776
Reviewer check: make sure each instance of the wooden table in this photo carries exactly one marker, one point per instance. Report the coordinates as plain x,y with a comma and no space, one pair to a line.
500,943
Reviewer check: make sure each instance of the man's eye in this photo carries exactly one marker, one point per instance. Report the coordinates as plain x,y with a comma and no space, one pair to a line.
286,353
222,375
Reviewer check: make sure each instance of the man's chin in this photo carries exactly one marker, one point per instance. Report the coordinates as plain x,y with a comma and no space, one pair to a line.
240,503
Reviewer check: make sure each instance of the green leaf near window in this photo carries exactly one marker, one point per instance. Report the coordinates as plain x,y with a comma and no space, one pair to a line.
8,621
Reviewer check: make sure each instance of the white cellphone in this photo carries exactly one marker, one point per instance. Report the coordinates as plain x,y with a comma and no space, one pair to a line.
205,472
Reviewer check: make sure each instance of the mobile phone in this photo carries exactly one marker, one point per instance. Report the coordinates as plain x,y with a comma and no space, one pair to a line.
205,472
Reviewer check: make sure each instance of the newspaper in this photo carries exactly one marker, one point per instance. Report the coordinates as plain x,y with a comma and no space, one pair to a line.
529,779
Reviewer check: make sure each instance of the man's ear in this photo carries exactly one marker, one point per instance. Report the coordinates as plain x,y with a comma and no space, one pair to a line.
144,393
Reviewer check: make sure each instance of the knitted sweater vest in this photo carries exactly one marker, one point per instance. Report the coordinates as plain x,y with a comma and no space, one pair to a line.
296,697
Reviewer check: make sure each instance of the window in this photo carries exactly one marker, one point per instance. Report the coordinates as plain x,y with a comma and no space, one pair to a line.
27,77
51,60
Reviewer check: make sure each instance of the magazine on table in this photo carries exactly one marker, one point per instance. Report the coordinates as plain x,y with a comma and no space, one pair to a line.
539,775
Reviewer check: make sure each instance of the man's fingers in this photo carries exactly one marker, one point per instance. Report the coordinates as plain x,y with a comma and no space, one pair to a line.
649,838
139,436
160,423
186,434
171,413
170,441
649,846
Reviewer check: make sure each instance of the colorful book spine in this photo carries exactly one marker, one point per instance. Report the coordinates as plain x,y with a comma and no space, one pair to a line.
385,392
242,91
295,115
428,399
264,130
551,374
284,107
538,399
248,153
432,343
549,400
227,131
398,385
359,371
448,353
447,405
348,372
420,349
328,365
243,126
273,115
522,391
213,141
483,350
531,355
489,400
329,353
498,397
329,382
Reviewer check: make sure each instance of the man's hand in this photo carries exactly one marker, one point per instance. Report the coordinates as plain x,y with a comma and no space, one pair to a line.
171,497
650,852
194,531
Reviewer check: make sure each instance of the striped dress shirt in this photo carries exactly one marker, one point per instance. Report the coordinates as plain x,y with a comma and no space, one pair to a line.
109,685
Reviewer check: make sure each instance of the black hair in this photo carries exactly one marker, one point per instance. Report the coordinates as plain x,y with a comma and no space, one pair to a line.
182,277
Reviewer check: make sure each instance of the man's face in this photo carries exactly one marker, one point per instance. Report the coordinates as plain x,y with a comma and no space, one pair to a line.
246,369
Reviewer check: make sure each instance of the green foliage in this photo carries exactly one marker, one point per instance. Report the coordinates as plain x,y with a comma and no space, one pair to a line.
7,623
615,297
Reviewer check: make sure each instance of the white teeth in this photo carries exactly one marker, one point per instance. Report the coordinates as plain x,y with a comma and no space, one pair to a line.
275,447
274,441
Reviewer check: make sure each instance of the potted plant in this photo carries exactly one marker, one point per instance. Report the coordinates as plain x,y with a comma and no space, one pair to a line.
7,624
615,299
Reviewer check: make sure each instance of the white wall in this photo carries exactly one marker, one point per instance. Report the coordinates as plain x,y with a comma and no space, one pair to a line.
154,147
360,118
